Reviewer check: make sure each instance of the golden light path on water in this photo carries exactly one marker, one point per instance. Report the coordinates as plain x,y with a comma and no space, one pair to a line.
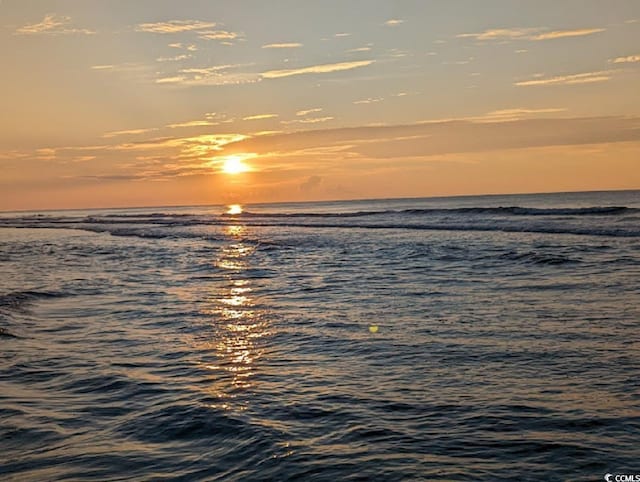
237,321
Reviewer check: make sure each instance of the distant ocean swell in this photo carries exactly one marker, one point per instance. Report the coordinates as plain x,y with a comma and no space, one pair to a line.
575,221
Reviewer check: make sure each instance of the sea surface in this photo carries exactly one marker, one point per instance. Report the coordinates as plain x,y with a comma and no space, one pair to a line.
470,338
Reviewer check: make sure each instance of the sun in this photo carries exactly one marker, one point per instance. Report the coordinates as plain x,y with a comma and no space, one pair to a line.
234,165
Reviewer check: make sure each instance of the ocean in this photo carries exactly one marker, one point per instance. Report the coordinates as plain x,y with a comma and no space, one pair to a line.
467,338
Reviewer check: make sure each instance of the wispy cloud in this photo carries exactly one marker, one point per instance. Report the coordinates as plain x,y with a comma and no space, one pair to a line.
193,123
359,49
179,45
316,69
308,120
175,58
500,34
260,116
535,34
582,78
342,34
510,115
393,22
214,75
625,60
175,79
441,137
208,70
567,33
218,35
52,25
222,78
289,45
174,26
308,111
370,100
128,132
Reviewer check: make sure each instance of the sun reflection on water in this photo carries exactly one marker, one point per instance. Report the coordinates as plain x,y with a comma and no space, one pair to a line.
237,320
234,209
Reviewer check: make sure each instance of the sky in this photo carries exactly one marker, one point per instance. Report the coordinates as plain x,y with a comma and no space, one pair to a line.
157,102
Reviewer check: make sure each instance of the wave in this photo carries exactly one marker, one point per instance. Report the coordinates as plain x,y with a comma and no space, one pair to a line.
450,225
543,229
174,219
538,258
508,210
4,333
17,300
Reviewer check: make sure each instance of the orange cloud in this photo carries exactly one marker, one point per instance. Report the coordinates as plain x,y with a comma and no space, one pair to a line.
582,78
316,69
174,26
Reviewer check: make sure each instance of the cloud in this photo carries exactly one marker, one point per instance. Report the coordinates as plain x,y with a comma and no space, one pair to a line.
209,70
370,100
213,75
308,120
567,33
260,116
128,132
393,21
583,78
628,59
433,138
359,49
223,78
52,25
535,34
316,69
175,79
500,34
290,45
308,111
179,45
342,34
193,123
510,115
174,58
218,35
174,26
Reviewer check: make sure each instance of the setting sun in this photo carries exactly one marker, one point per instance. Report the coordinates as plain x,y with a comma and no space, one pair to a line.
234,165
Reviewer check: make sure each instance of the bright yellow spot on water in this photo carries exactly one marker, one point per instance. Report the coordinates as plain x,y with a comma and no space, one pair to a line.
234,209
373,328
234,165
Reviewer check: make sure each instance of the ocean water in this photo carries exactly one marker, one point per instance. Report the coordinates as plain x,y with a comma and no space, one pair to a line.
472,338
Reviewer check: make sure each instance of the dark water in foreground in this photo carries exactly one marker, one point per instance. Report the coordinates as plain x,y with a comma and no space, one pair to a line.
182,344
